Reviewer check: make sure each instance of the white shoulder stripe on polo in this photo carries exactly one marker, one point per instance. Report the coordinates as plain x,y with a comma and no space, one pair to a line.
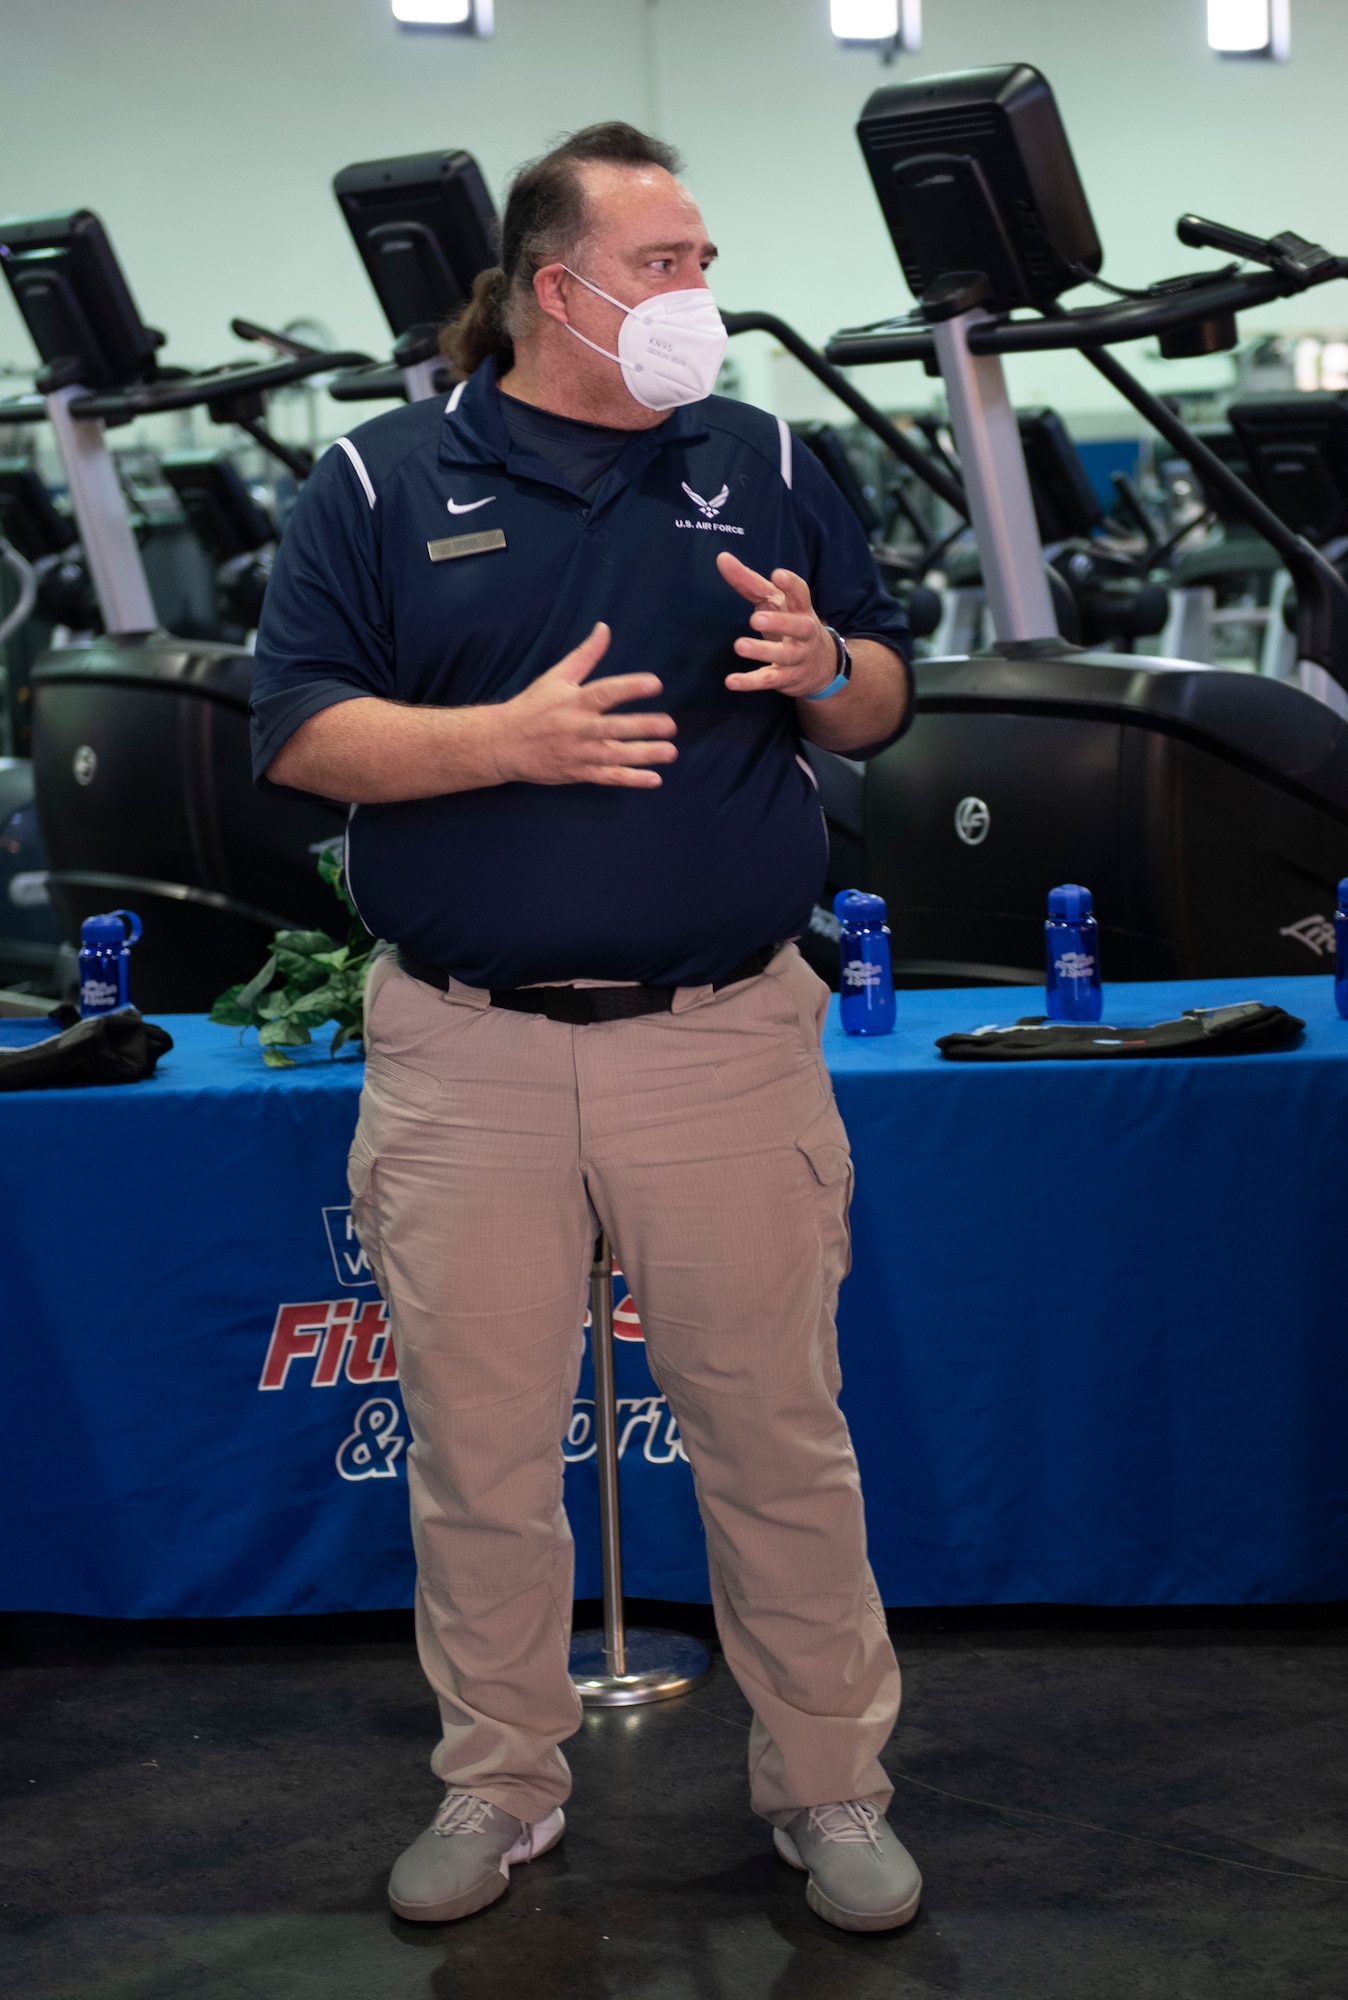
453,402
362,475
784,433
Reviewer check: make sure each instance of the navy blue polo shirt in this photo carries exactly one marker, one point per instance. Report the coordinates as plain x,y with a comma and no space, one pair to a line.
519,883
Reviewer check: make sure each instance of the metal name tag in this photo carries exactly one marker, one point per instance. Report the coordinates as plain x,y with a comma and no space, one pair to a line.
465,545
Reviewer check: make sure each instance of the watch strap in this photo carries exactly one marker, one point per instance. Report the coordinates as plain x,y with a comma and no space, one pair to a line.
844,674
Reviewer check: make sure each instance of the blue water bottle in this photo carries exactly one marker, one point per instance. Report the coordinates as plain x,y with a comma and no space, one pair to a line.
1072,948
867,974
1341,950
105,961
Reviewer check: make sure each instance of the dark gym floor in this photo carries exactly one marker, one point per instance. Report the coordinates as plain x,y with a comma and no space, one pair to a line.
1127,1804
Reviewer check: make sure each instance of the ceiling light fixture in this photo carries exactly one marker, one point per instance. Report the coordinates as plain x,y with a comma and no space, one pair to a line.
1252,29
449,17
888,25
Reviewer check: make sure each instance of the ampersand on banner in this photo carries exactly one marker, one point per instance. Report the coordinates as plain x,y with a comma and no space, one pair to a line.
372,1449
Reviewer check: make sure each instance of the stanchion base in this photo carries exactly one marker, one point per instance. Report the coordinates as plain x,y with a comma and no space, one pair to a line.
659,1664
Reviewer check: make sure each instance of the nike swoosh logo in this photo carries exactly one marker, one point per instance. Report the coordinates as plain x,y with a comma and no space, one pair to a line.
469,506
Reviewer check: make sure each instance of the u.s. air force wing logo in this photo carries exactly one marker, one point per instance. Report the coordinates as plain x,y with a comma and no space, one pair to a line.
709,510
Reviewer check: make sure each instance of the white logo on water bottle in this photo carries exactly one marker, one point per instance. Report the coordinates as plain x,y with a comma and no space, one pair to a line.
861,973
98,996
1074,965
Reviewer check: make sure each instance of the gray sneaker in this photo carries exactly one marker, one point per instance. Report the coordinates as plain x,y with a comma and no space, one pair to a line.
463,1860
862,1877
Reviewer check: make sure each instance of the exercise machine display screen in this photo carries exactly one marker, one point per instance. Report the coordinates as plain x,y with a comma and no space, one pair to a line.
974,173
1065,503
225,517
425,226
75,301
1297,451
29,520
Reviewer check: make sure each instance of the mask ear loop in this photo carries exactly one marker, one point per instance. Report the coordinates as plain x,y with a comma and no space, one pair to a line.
597,291
615,358
594,344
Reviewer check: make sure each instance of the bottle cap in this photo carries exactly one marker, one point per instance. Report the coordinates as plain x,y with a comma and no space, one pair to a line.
1343,893
854,906
109,930
1070,901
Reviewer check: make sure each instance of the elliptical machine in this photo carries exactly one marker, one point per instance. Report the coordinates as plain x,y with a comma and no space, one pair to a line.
140,740
1207,810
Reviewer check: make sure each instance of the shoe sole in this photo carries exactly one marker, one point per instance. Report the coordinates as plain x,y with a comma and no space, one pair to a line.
833,1913
540,1838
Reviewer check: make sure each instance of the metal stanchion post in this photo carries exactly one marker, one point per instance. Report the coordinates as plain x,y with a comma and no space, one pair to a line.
616,1668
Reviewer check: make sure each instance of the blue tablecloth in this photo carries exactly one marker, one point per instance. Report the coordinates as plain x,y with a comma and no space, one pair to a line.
1095,1340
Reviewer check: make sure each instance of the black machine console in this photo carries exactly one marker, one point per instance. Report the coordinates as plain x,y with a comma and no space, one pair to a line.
226,519
29,519
75,301
1297,451
974,173
425,226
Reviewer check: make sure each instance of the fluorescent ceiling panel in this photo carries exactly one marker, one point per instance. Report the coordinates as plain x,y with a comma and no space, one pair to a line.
864,20
433,13
1249,28
879,24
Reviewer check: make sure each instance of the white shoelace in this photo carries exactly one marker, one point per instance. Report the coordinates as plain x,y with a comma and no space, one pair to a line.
462,1813
847,1819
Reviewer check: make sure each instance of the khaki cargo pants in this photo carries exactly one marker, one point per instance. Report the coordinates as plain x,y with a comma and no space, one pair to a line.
491,1144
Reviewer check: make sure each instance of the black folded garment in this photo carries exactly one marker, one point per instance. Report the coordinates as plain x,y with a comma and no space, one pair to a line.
121,1047
1244,1028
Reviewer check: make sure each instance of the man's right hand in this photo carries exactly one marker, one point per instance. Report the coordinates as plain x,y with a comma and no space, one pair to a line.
562,730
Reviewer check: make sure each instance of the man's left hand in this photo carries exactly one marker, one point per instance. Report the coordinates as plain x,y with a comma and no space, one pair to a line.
798,653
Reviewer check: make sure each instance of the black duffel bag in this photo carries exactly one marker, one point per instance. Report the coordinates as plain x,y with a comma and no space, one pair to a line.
1246,1027
121,1047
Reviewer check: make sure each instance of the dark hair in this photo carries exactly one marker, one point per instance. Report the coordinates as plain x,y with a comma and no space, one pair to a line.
545,219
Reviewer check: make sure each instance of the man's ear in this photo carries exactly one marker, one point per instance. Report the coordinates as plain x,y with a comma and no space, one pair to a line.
549,290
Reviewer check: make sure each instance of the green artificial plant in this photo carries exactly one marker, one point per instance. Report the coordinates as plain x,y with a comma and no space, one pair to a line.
309,979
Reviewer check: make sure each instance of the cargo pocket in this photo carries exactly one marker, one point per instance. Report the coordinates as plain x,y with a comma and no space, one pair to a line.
360,1179
825,1150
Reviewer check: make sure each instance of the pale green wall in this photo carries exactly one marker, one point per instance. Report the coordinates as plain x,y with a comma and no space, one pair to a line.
206,132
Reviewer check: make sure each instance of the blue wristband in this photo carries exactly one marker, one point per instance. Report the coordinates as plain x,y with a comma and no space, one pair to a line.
844,674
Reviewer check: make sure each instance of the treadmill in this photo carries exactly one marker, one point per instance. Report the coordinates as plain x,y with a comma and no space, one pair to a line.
1207,810
140,740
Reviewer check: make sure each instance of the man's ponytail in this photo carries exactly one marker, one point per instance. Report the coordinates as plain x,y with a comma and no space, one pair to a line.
480,328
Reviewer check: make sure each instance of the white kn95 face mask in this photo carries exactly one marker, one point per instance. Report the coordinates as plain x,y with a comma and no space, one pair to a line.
670,347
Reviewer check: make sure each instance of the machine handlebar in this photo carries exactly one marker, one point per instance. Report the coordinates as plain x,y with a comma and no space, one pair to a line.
248,329
909,338
1200,235
217,387
1298,262
212,386
1291,264
939,478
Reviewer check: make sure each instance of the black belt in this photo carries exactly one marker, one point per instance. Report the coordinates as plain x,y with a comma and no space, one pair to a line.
582,1006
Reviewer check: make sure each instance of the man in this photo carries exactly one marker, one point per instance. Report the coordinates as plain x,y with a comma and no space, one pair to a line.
558,640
